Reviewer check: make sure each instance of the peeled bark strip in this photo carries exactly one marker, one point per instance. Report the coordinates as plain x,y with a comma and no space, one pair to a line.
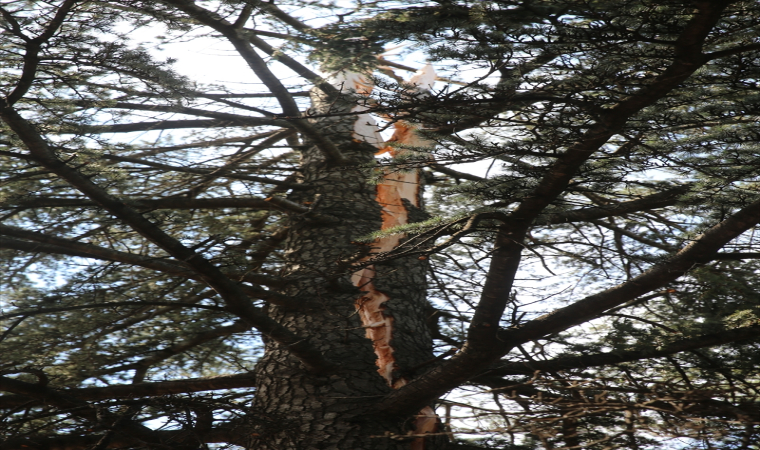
302,410
398,189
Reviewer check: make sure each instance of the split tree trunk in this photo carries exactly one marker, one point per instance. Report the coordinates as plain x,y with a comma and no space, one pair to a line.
296,409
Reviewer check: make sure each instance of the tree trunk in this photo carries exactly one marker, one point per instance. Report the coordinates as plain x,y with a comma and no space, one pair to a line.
297,409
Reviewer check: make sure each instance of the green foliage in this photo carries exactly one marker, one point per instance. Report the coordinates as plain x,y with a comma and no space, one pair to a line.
580,148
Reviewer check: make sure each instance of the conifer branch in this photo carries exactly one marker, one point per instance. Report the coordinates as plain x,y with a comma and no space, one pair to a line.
485,342
508,242
175,438
40,242
73,128
617,357
662,199
158,355
255,204
184,110
32,50
137,432
700,251
34,312
470,362
241,43
217,173
237,301
148,389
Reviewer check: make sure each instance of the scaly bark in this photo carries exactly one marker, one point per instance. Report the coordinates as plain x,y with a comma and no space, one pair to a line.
307,411
398,194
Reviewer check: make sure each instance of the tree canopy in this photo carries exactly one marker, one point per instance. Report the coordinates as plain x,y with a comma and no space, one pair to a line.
449,224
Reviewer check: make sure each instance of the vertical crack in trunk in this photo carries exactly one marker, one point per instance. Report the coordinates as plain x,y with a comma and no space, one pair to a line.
333,409
399,188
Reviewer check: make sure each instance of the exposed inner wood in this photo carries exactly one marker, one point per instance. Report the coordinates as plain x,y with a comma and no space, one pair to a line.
399,185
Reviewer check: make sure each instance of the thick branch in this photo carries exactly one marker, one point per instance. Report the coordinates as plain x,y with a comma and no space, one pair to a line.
733,51
33,48
507,248
295,66
73,128
485,342
190,438
702,250
36,247
658,200
236,38
284,59
604,359
737,256
259,67
138,390
687,60
140,367
468,363
55,245
455,173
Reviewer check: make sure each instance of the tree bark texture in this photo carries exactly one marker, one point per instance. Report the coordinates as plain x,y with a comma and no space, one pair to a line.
302,410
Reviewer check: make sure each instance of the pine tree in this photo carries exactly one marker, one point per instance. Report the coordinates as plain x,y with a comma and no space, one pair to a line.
302,263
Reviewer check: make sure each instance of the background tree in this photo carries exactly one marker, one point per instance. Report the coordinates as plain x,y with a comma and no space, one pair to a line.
189,265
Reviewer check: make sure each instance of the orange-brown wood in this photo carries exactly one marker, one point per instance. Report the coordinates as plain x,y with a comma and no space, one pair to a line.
397,185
